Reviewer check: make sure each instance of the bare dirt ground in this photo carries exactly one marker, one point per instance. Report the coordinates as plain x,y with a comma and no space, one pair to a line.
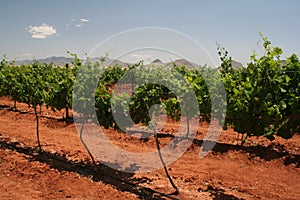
261,169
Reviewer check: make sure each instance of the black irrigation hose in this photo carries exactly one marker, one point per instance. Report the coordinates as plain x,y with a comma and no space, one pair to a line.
163,162
83,170
159,153
85,146
94,171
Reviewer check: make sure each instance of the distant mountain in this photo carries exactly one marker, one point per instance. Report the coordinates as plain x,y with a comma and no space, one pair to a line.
61,60
179,62
236,65
58,60
282,63
156,61
184,62
108,61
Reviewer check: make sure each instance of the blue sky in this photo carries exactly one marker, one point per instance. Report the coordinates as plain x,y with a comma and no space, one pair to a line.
36,28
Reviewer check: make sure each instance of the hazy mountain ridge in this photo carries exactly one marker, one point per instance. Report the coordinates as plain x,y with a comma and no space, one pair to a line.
58,60
61,60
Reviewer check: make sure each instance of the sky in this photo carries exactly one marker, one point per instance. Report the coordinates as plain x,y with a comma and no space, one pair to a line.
40,28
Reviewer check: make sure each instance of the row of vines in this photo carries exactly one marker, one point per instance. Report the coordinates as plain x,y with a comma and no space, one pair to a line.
262,98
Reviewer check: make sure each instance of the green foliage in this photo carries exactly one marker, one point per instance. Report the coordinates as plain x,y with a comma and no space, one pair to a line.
111,75
263,99
60,86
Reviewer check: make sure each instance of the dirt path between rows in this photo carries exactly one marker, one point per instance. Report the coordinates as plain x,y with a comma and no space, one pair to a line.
259,170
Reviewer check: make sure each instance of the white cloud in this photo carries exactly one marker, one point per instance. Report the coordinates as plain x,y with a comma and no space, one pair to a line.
24,56
77,22
27,55
141,56
84,20
42,31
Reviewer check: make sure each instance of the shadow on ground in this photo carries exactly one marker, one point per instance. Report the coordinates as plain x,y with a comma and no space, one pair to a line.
266,153
97,172
219,194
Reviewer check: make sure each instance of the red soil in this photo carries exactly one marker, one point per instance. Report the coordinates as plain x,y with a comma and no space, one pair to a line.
261,169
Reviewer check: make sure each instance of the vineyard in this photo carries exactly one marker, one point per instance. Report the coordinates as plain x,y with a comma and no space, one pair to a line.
260,101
